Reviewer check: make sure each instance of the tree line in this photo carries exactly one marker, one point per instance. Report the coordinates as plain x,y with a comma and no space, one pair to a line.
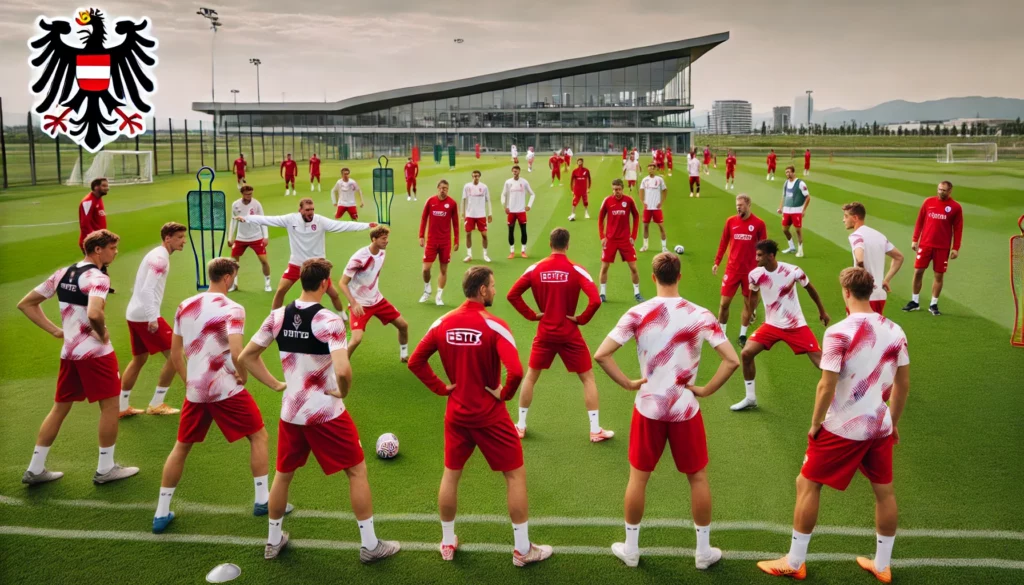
1013,128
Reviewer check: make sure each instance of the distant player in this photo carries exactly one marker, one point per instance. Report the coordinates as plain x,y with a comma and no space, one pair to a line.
88,365
555,164
707,160
654,190
314,171
317,377
412,171
730,171
795,199
629,173
659,159
776,283
940,221
243,236
441,215
150,333
240,165
741,234
344,195
772,157
529,159
807,162
693,168
668,160
870,247
567,157
620,236
513,199
669,333
557,283
92,215
625,155
288,171
474,345
476,207
359,284
865,364
580,181
515,155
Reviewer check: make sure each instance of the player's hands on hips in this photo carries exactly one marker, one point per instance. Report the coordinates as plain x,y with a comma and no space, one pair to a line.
913,246
714,269
953,254
495,392
448,389
634,385
815,429
153,326
423,243
571,318
356,310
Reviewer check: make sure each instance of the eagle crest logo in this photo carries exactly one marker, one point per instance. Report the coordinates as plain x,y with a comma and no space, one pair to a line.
95,88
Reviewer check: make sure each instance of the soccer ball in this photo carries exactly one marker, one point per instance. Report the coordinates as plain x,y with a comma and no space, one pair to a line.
680,249
387,446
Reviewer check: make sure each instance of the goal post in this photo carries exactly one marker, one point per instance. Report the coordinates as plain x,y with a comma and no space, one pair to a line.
119,167
1017,284
969,152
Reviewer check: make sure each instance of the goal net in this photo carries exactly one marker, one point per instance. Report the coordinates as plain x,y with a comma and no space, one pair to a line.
969,152
119,167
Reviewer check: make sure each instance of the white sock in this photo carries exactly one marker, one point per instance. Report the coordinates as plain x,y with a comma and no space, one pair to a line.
469,252
522,417
266,279
522,247
274,536
439,292
751,392
403,350
916,298
883,552
448,532
595,423
512,249
158,396
604,288
522,535
262,484
106,462
426,288
935,300
703,539
664,244
636,289
124,399
645,242
798,549
790,242
723,328
163,505
38,459
743,330
632,538
367,534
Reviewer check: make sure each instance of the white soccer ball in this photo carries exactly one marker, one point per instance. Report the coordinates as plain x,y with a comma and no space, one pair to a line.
387,446
680,249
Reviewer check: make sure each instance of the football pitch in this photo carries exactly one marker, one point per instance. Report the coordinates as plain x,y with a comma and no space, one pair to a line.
957,468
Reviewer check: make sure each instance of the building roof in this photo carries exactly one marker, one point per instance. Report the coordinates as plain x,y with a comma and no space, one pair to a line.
693,48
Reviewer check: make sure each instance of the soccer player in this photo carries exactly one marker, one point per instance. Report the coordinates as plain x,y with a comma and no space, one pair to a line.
474,345
620,237
707,160
288,170
412,170
669,331
317,377
693,168
630,171
555,164
625,155
741,234
557,283
795,199
784,320
580,181
314,171
870,247
659,159
513,199
807,162
940,221
242,236
442,215
210,325
239,165
668,160
771,165
865,364
150,333
343,195
307,234
92,216
567,157
655,190
730,171
515,155
88,365
529,159
359,285
476,205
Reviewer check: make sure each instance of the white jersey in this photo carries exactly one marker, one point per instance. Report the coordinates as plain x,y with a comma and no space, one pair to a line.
865,349
364,270
476,200
513,195
150,281
310,377
515,152
529,155
778,291
875,246
652,188
204,322
635,157
568,152
693,166
79,340
246,232
343,194
668,333
630,169
307,238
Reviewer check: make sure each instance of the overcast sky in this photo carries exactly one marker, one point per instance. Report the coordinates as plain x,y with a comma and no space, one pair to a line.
852,54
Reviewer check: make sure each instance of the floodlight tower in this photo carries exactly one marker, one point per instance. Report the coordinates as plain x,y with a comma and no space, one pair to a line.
257,63
809,92
234,96
211,15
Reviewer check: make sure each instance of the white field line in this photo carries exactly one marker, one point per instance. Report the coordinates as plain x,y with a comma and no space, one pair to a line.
735,526
114,535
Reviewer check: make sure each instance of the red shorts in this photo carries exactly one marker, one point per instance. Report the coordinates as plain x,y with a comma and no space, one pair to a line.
499,442
476,223
289,179
315,175
695,181
384,311
144,342
707,160
654,215
91,379
731,282
574,353
647,439
556,172
441,252
876,306
807,165
792,219
568,160
937,257
293,272
236,417
335,444
410,184
670,165
240,176
631,183
833,460
801,340
771,168
519,216
259,246
352,211
626,251
577,197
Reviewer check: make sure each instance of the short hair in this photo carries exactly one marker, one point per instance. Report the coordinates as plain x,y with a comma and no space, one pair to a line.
768,247
314,271
616,182
948,185
99,239
379,231
247,189
218,268
96,183
170,228
666,268
580,159
858,281
743,197
289,154
474,278
476,172
651,165
442,182
516,168
856,209
304,201
791,168
559,239
345,170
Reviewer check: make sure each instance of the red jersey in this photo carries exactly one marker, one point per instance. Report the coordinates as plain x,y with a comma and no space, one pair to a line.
668,156
771,159
625,153
938,222
555,161
239,166
443,217
473,344
659,156
556,283
743,234
289,167
730,163
580,181
618,211
91,216
807,156
412,170
707,156
314,166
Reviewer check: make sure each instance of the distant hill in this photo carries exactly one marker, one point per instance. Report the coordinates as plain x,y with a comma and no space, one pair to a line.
945,109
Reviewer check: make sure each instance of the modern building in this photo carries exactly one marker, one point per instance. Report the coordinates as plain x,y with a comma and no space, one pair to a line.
636,97
783,118
731,117
803,109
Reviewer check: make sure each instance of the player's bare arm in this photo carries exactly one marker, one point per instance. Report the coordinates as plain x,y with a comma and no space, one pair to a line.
826,392
97,318
356,308
359,193
729,364
236,344
894,267
31,305
858,255
251,359
898,399
604,358
342,371
813,293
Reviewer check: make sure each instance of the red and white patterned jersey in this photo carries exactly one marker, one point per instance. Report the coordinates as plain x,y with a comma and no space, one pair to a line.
364,270
79,342
204,322
865,349
309,376
668,333
778,291
150,281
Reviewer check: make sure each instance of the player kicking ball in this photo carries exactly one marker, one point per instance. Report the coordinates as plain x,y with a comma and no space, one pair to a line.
784,320
693,169
439,222
359,284
669,333
289,169
655,190
620,237
795,199
318,376
474,345
243,236
344,195
476,204
513,199
314,172
741,234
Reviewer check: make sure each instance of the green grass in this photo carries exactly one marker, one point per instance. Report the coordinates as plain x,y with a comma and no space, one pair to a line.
958,466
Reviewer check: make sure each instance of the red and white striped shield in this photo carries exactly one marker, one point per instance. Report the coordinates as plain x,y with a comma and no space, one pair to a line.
93,72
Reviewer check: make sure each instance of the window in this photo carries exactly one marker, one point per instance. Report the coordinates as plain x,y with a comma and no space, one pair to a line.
657,82
405,115
464,102
521,96
593,90
549,119
600,119
508,98
531,96
488,100
643,86
625,119
526,119
474,101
